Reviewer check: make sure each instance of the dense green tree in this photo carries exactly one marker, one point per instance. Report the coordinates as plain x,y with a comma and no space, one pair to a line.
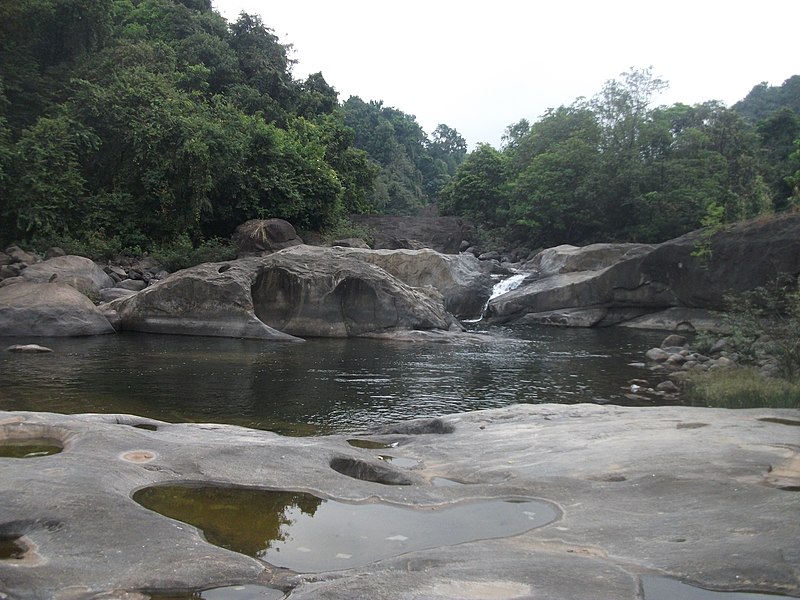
413,167
479,189
616,168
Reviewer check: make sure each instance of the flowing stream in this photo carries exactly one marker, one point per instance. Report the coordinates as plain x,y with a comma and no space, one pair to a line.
501,287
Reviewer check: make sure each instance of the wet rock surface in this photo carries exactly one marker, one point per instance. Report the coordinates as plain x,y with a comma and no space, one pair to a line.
704,495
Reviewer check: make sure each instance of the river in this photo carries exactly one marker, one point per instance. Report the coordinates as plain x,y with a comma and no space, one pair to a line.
322,385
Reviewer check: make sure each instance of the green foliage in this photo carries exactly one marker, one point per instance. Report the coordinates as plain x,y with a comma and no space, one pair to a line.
742,388
412,169
766,322
478,189
615,168
345,228
141,125
712,224
181,253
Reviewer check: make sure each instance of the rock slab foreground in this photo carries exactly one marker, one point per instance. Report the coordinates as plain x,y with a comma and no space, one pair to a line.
705,495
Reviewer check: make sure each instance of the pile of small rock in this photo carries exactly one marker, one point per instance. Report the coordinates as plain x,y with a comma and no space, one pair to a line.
676,357
131,276
15,260
124,276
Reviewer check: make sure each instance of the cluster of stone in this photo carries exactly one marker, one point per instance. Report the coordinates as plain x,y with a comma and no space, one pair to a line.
676,357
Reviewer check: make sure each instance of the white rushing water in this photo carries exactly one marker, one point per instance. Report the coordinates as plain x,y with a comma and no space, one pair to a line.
501,287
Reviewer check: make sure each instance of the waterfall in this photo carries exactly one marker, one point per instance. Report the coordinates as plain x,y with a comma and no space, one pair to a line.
501,287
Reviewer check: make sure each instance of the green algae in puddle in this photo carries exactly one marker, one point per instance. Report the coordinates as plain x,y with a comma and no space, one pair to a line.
305,533
10,548
28,448
369,444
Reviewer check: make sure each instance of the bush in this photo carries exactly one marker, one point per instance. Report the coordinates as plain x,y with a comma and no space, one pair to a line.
766,322
347,229
742,388
181,253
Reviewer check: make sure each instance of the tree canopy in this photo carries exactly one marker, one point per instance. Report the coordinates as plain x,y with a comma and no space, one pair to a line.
131,124
126,124
616,167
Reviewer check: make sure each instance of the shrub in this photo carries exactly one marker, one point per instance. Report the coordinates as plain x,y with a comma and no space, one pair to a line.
182,254
742,388
766,321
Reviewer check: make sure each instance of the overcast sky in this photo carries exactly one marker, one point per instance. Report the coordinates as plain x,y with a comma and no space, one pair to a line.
481,66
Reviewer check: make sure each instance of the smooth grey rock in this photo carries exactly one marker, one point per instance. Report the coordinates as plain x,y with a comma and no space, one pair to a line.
673,341
11,270
618,286
11,281
594,257
28,349
672,490
300,291
567,317
18,255
679,319
258,237
114,293
49,309
54,252
134,285
657,354
82,273
743,256
668,387
460,278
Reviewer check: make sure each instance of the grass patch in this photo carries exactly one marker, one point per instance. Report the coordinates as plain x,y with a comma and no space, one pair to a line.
742,388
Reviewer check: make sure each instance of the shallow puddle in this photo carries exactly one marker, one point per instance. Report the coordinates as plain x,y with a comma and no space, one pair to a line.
664,588
10,548
231,592
308,534
369,444
28,448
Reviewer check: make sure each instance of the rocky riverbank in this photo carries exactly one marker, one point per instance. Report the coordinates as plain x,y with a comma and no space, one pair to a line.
703,496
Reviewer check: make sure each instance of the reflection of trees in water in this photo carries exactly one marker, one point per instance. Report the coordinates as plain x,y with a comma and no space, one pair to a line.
327,383
239,519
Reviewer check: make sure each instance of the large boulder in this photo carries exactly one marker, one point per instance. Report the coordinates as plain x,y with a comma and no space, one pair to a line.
570,259
301,291
81,273
618,286
461,279
443,234
258,237
598,285
742,257
49,309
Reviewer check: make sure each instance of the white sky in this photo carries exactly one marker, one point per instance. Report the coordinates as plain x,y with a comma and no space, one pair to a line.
481,66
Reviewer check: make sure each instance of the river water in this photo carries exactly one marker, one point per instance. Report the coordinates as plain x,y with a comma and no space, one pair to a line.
322,385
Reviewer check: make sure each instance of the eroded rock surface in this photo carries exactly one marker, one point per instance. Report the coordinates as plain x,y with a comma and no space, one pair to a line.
703,495
300,291
464,283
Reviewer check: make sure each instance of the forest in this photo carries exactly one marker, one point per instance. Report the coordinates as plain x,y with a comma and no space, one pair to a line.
138,126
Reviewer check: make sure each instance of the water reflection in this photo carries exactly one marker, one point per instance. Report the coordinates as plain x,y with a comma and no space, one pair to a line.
323,384
308,534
